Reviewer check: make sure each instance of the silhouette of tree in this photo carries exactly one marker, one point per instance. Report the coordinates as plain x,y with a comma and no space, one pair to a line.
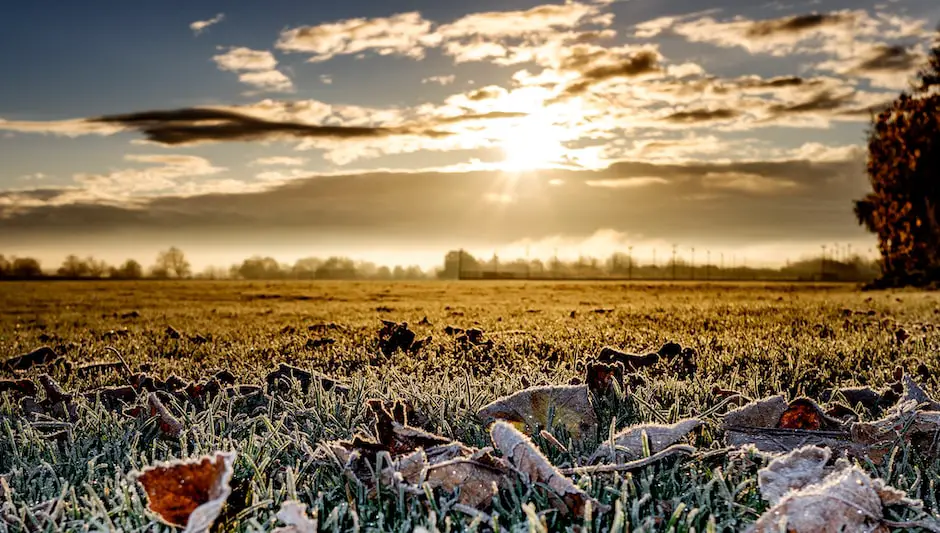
6,267
171,264
73,267
129,270
258,267
25,268
903,208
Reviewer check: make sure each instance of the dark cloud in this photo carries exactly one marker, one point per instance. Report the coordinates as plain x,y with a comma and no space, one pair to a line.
823,101
886,58
701,115
796,24
194,125
458,207
642,63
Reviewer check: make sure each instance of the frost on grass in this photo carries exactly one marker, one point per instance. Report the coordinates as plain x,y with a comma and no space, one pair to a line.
806,500
629,442
188,493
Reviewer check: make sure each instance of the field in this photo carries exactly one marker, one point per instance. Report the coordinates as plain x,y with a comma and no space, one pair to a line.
754,339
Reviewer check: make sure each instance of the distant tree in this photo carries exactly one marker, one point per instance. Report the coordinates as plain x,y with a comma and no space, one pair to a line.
903,209
73,267
337,268
97,268
458,261
25,268
129,270
306,268
171,264
258,267
5,267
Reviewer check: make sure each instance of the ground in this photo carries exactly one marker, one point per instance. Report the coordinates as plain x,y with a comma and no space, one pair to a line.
755,339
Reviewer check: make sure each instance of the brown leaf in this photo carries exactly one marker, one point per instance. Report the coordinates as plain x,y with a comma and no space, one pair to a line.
846,500
524,455
19,387
530,409
38,357
478,481
604,379
801,414
629,441
189,493
630,361
763,413
913,391
169,425
397,438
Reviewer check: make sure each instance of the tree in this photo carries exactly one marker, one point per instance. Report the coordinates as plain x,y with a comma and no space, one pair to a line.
73,267
171,264
129,270
903,208
6,267
25,268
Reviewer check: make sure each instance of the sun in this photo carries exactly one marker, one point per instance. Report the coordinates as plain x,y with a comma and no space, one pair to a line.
531,145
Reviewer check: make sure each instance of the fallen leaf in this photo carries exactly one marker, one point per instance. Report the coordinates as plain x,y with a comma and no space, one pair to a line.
629,441
294,514
630,361
846,500
397,438
530,409
189,493
524,455
38,357
394,336
172,333
478,481
913,391
169,425
763,413
801,414
604,379
20,387
793,471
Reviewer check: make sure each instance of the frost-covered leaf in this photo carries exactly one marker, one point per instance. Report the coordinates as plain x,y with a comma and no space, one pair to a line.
169,424
793,471
188,493
527,458
913,391
538,408
38,357
294,515
629,441
763,413
478,479
846,500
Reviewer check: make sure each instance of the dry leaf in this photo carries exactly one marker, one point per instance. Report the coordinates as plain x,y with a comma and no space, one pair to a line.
529,461
294,514
478,480
394,336
801,414
189,493
846,500
398,438
530,409
38,357
629,441
764,413
20,387
168,423
913,391
630,361
793,471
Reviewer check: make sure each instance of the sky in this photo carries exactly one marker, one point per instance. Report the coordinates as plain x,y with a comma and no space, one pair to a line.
396,130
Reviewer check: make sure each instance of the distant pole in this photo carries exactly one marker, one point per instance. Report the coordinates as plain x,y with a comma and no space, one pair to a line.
674,262
692,271
630,266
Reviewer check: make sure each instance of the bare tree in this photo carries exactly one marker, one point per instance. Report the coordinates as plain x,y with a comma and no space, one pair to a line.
171,264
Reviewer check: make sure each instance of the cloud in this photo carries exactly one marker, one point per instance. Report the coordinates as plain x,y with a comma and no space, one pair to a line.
627,183
640,63
888,66
440,80
543,18
405,34
694,116
195,125
747,182
200,25
255,68
280,161
746,200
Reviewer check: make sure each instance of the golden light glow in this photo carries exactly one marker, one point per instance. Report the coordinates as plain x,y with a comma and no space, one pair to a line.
531,144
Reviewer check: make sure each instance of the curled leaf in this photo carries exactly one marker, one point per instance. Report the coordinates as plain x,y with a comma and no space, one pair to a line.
189,493
169,425
38,357
523,454
477,480
539,408
913,391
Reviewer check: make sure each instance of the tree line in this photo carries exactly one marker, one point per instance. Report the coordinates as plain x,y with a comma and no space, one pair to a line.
457,264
